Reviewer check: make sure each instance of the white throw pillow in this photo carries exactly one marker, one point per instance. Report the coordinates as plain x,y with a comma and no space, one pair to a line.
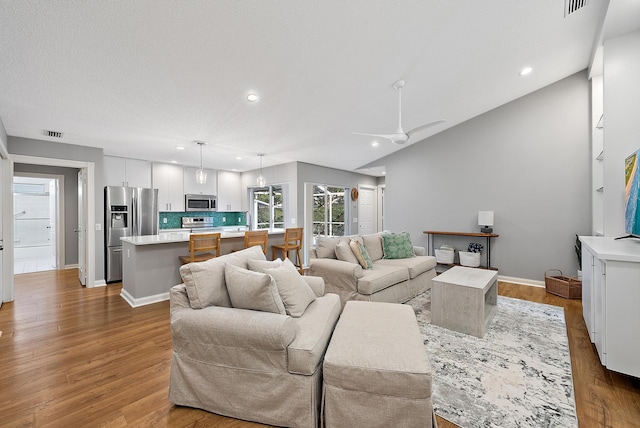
294,291
261,265
252,290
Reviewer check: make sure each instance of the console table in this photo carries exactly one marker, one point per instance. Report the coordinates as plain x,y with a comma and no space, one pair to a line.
430,238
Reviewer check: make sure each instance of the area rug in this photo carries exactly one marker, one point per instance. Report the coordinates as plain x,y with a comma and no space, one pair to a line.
517,375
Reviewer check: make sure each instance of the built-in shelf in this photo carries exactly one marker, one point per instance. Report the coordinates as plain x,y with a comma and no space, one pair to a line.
600,124
601,156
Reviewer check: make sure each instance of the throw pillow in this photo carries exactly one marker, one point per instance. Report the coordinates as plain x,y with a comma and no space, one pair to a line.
261,265
326,247
361,254
294,291
252,290
344,253
373,245
205,282
397,246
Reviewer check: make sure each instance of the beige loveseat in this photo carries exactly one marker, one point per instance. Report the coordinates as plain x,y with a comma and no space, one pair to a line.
247,364
389,280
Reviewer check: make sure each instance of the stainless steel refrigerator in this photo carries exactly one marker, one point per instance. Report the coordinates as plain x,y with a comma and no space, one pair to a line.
129,211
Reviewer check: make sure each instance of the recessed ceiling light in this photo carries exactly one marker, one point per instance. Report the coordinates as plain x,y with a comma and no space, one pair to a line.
179,148
374,144
234,169
525,71
238,157
173,161
252,97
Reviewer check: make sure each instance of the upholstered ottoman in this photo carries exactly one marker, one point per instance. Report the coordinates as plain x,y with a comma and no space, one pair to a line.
376,372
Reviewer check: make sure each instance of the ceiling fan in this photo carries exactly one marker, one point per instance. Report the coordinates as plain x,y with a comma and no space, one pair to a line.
401,137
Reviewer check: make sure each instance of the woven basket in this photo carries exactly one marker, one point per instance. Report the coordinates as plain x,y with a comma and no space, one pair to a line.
563,286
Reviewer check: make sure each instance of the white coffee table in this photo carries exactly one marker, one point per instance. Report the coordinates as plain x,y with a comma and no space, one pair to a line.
464,299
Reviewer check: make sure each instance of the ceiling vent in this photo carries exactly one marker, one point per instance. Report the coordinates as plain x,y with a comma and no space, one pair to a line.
53,134
571,6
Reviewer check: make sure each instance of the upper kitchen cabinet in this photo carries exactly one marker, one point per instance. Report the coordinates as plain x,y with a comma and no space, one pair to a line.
229,191
192,187
168,179
126,172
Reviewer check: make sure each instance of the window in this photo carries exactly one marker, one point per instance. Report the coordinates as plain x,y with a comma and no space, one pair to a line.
267,207
329,210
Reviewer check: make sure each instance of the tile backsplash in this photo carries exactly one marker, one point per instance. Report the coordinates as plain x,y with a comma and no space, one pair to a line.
226,218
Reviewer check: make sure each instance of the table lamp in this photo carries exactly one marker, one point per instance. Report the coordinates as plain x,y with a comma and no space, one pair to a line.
485,219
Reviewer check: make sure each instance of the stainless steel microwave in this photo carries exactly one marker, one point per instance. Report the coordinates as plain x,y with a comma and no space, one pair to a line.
200,203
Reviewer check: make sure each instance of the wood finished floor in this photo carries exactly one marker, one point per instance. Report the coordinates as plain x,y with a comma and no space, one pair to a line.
74,357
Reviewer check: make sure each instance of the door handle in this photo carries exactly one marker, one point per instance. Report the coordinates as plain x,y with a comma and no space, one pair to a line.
76,230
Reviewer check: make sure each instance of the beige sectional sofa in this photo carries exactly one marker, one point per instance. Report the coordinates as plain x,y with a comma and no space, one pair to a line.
389,280
248,364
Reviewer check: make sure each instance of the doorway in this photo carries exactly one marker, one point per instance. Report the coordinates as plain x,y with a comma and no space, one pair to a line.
37,220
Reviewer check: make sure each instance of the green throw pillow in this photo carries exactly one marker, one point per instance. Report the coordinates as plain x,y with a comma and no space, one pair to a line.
397,246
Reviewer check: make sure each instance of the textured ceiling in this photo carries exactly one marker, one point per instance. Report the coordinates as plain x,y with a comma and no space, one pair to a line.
138,78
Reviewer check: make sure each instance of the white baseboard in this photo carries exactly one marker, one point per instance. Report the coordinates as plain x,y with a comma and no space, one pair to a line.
99,283
73,266
522,281
134,303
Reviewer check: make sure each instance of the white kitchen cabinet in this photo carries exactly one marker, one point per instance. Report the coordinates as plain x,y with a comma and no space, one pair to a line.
610,300
192,187
168,179
126,172
229,191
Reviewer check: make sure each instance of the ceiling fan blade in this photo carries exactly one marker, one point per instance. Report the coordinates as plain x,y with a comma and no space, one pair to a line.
387,137
425,126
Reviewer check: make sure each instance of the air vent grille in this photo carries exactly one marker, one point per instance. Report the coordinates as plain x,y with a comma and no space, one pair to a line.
53,134
571,6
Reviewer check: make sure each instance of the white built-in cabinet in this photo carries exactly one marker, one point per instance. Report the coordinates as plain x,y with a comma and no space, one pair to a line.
610,300
229,191
126,172
192,187
169,180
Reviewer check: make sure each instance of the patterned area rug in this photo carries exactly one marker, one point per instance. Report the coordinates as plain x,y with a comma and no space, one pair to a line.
517,375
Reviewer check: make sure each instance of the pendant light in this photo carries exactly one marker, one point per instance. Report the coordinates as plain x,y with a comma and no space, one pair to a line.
260,180
201,175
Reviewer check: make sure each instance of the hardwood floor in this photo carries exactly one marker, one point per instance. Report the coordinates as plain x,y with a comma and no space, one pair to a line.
73,357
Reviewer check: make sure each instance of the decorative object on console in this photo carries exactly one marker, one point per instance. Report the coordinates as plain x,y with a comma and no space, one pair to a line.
485,219
201,175
260,181
471,257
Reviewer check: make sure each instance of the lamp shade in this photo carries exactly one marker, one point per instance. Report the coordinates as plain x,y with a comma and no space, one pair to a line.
485,218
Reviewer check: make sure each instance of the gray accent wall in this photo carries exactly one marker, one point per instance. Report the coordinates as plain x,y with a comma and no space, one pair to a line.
528,161
70,204
49,149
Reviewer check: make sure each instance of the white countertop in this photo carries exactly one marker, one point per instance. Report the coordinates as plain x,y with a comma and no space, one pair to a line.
171,237
606,248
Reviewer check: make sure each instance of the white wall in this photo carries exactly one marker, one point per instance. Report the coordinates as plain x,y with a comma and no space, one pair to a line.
621,131
528,161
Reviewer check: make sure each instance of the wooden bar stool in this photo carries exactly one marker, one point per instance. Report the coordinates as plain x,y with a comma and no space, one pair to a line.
292,241
257,237
201,246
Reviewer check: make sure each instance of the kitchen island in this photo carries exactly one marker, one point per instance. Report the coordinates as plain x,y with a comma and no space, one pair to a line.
150,264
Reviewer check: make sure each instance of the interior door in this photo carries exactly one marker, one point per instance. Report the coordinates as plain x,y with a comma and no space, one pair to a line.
1,234
81,230
366,210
